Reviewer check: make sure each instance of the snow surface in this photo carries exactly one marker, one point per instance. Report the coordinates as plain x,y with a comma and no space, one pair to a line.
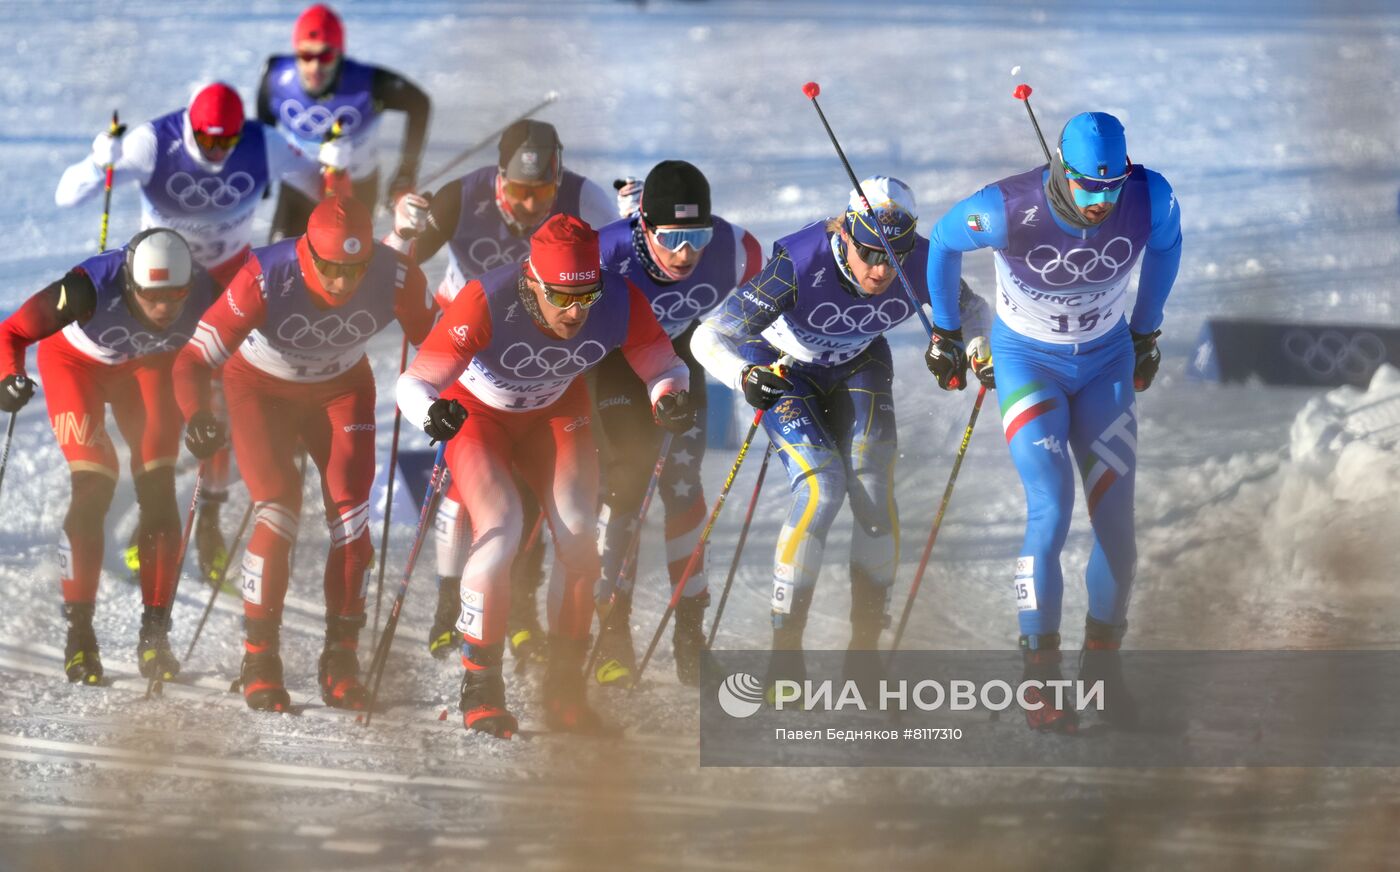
1266,516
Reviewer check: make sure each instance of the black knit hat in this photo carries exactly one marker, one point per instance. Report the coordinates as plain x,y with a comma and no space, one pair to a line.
675,192
530,152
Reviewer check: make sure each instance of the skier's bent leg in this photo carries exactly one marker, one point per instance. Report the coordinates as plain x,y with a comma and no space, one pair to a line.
158,535
80,551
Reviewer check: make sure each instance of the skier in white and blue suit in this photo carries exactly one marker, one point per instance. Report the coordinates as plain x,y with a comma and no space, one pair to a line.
1065,239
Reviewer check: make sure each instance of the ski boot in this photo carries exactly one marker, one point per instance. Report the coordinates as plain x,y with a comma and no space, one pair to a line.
688,638
443,637
153,654
787,662
81,662
483,702
1099,661
338,672
868,619
261,673
617,658
527,638
566,708
1040,658
209,540
131,556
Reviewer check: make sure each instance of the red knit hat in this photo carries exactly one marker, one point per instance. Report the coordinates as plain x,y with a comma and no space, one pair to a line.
340,229
319,23
218,110
564,251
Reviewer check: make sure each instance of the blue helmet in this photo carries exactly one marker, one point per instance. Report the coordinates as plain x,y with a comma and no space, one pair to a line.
893,204
1093,144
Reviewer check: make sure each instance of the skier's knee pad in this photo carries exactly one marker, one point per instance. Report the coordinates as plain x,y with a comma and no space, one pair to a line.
155,495
92,496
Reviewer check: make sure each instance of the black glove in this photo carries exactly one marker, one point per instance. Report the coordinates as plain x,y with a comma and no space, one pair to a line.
979,357
445,418
1146,359
674,411
15,391
946,358
763,386
204,435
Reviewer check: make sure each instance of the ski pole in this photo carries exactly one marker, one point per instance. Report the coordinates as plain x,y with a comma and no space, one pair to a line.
739,549
812,89
389,494
1023,93
219,580
486,140
117,129
938,518
154,686
436,485
629,557
9,440
695,556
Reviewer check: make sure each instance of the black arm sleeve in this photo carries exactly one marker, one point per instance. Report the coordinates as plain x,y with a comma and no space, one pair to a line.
71,298
392,91
443,212
265,113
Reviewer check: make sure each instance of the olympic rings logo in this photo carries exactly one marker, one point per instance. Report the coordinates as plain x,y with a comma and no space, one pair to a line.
488,254
315,122
526,362
674,306
865,318
1331,352
333,330
140,343
1059,269
194,194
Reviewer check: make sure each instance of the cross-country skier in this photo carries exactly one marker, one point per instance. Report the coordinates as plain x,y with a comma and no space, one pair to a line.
686,260
306,93
202,171
290,332
500,377
108,332
485,219
826,298
1065,237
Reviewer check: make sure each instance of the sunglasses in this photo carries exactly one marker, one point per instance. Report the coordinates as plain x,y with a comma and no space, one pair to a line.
563,299
334,270
876,256
325,56
1096,184
521,190
675,239
214,141
161,295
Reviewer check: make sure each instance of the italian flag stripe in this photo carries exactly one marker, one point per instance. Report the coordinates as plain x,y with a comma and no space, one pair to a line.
1023,406
1098,483
1029,414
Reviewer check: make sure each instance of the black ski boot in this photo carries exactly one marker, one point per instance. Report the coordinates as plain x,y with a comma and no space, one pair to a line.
153,654
688,638
566,707
869,602
1099,661
261,674
81,662
787,662
209,540
617,657
338,672
528,643
483,702
1040,658
443,638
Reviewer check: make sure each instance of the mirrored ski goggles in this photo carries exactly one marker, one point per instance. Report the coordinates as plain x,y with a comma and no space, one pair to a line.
564,296
1093,198
523,190
335,270
324,56
876,256
673,240
213,141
